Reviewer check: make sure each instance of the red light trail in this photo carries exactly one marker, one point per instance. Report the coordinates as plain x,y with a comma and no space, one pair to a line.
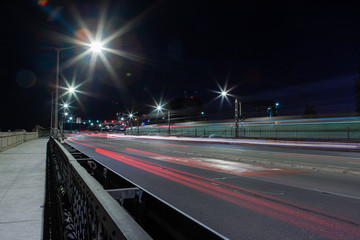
321,222
336,228
235,168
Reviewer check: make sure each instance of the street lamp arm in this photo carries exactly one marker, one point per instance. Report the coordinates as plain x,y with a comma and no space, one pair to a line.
66,48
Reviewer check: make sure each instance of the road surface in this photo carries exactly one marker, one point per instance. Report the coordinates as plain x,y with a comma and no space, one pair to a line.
221,187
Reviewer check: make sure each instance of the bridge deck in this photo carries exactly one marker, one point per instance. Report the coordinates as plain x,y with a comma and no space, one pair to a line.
22,190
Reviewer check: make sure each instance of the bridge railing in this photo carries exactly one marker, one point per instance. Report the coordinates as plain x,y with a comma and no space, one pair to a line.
86,200
338,131
77,206
11,139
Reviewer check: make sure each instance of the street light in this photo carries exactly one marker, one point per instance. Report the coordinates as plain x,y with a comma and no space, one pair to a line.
269,109
160,108
95,47
131,118
71,89
237,110
63,121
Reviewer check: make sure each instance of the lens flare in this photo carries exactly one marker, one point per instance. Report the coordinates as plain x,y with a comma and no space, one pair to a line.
96,46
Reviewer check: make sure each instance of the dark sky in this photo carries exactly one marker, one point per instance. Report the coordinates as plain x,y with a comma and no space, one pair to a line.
294,52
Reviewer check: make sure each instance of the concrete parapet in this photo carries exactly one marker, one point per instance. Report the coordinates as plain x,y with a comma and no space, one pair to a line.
12,139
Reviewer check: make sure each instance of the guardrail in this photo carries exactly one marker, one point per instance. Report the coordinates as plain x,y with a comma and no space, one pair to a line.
12,139
86,200
340,129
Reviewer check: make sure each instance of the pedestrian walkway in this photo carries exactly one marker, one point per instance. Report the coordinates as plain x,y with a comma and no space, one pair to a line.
22,190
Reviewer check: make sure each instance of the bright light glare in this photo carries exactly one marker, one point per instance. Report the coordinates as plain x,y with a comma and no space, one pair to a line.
71,89
158,107
66,105
130,115
96,47
96,44
223,94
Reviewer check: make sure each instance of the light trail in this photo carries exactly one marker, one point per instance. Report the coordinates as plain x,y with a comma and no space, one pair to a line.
229,167
316,156
320,222
170,145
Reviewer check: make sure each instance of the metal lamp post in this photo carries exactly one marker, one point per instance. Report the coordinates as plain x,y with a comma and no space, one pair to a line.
160,108
237,111
56,125
237,116
131,117
95,47
169,122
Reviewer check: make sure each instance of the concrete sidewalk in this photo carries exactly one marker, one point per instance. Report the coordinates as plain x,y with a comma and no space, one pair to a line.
22,190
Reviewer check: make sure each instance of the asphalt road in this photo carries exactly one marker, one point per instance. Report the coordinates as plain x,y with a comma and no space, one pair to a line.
221,187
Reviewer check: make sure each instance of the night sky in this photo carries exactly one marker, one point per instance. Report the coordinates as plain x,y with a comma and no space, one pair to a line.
295,52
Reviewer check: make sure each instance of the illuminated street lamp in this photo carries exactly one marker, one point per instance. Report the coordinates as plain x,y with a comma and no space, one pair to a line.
63,121
160,108
131,118
95,47
269,109
277,108
225,94
71,89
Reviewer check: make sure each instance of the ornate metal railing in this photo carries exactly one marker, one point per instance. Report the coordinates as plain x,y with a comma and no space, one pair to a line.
78,207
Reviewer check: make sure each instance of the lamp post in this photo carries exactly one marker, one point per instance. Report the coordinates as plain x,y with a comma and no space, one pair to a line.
131,117
95,47
63,123
56,125
160,108
237,116
224,94
169,122
52,113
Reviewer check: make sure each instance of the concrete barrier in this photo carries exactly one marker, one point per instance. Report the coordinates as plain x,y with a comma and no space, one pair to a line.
12,139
